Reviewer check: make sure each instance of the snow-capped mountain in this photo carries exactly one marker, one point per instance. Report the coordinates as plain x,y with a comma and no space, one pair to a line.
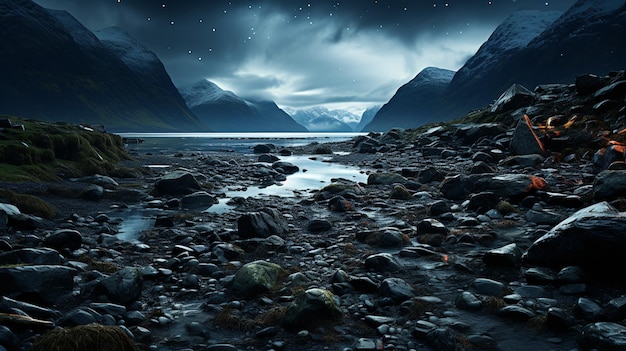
528,48
224,111
415,103
322,119
54,69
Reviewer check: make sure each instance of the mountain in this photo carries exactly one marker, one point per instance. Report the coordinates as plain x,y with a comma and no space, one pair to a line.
52,68
321,119
224,111
585,38
415,103
528,48
367,117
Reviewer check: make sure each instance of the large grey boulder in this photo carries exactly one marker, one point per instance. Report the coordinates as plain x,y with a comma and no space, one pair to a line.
49,283
262,224
513,98
593,237
124,286
176,183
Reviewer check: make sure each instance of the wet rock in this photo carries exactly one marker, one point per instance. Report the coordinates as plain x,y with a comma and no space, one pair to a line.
431,226
340,204
285,167
384,237
609,185
513,98
198,200
43,256
262,224
312,305
588,309
400,192
122,287
615,91
176,183
468,301
64,239
385,179
383,262
508,255
524,140
489,287
516,312
268,158
319,225
603,336
263,148
482,202
393,291
588,84
49,283
256,278
591,238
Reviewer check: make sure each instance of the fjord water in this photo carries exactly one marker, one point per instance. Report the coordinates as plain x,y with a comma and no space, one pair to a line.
315,170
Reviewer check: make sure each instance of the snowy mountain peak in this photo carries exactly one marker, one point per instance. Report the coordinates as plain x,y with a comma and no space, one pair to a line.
127,48
519,29
431,75
204,92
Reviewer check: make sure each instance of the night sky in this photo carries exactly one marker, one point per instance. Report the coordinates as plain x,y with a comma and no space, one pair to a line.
340,54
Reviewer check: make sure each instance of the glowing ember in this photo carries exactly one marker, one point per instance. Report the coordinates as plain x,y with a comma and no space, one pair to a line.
445,259
536,183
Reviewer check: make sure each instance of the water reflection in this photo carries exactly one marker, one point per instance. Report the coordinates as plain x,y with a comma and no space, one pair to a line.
315,173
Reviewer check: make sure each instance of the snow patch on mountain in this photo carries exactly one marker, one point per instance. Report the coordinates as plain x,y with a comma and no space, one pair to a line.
206,92
514,33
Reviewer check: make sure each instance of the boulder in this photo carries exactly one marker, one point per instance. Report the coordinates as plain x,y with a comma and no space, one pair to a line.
385,178
30,256
124,286
603,336
395,291
593,238
314,304
262,224
199,200
285,167
64,239
609,185
176,183
48,283
515,97
257,277
524,140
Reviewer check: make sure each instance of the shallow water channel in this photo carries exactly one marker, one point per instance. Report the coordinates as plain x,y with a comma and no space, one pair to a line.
315,172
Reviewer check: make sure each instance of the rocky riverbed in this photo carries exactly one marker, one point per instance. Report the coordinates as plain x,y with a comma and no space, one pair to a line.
503,232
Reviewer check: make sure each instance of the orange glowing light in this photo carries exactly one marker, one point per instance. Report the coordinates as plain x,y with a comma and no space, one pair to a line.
445,259
536,183
529,123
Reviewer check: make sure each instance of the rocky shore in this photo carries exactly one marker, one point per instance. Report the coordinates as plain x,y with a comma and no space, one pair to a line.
500,232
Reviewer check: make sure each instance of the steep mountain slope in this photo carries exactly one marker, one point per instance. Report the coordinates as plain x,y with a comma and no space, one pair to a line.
367,117
226,112
586,38
322,119
54,69
415,103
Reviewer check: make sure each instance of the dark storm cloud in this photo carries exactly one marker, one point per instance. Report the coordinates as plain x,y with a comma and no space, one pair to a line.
302,53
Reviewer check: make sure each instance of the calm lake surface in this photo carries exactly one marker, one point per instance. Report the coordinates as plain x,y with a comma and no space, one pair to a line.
315,172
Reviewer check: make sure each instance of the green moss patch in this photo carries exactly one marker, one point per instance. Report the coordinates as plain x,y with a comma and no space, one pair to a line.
41,151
